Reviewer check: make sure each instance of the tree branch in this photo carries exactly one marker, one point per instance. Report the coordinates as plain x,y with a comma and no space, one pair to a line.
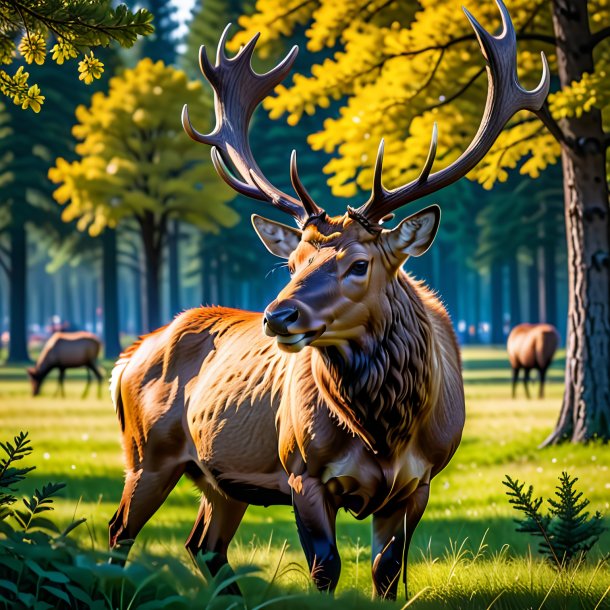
599,36
457,94
553,126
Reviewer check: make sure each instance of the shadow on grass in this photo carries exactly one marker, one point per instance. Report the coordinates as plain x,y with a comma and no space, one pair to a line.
175,518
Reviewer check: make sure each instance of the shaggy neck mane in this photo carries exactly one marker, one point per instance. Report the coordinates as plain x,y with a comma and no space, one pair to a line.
377,387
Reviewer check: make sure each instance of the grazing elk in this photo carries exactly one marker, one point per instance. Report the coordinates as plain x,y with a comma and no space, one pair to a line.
531,346
350,397
64,351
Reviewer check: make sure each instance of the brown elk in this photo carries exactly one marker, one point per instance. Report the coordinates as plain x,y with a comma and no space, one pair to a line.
64,351
531,346
351,397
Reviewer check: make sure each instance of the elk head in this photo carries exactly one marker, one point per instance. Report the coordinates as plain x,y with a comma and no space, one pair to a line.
35,379
342,266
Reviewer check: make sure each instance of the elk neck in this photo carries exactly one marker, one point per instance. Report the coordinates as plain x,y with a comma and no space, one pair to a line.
382,383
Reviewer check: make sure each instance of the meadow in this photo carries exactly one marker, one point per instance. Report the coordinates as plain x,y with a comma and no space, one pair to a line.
465,553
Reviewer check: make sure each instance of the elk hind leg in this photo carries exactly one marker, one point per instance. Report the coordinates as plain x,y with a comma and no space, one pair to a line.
516,370
526,380
143,493
542,380
216,524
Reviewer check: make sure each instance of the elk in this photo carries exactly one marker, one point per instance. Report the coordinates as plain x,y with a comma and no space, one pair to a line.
531,346
63,351
346,392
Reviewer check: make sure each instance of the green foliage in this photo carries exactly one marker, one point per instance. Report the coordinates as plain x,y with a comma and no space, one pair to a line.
9,474
567,531
41,567
76,26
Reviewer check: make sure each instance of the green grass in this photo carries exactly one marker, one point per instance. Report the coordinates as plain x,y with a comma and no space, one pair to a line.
465,553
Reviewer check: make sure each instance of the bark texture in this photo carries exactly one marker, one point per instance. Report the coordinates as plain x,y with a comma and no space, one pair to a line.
585,413
112,346
18,350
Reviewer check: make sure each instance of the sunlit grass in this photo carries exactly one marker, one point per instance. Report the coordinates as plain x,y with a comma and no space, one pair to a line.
77,441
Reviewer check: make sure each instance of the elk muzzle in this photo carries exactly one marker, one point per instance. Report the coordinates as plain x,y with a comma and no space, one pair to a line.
292,325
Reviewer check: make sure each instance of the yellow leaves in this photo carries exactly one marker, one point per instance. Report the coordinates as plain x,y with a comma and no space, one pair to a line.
33,48
32,99
399,67
90,68
273,20
63,50
581,96
526,138
134,155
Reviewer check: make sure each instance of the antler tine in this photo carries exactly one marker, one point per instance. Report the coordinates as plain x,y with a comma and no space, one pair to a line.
308,203
505,97
425,172
238,90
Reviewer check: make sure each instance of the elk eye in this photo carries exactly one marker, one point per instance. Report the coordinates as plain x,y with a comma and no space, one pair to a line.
359,268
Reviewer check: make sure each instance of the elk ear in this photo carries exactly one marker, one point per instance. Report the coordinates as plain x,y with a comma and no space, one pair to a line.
281,240
415,234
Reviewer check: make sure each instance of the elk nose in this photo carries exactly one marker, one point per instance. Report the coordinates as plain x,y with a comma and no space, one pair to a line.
276,322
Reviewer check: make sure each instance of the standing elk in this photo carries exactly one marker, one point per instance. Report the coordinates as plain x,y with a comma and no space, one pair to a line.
64,351
531,346
351,397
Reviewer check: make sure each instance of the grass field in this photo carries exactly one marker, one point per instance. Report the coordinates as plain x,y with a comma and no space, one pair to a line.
465,553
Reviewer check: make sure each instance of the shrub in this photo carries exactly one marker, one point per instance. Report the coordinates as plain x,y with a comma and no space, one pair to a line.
566,531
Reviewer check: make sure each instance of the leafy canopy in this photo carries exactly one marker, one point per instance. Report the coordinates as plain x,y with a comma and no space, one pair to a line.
135,159
72,27
397,68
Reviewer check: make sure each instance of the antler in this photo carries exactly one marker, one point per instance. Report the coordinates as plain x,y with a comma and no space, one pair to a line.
505,97
237,92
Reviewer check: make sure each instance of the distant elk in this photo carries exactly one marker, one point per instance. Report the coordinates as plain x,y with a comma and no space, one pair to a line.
351,397
64,351
531,346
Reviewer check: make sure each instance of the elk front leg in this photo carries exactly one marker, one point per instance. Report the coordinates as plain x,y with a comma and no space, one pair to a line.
315,516
215,526
392,532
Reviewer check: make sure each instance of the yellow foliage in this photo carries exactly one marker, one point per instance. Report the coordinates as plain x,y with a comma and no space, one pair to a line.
135,158
399,67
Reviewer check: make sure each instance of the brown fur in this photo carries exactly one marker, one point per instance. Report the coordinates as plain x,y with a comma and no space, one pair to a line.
361,419
66,350
531,346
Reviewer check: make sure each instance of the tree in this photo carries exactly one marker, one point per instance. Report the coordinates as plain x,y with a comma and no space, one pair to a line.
74,26
402,66
162,43
135,162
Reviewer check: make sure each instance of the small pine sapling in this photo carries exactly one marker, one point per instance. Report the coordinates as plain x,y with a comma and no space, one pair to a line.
566,531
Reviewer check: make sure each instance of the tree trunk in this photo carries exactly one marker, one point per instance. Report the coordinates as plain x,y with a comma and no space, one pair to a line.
112,345
18,350
550,276
152,241
515,293
173,268
532,280
585,412
497,304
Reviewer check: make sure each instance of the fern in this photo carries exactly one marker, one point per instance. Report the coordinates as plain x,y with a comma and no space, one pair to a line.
566,531
11,475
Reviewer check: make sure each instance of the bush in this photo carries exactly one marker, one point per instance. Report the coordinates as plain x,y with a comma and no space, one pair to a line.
566,531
